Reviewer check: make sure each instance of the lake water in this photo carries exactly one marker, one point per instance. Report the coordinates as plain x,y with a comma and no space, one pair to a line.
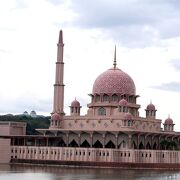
32,172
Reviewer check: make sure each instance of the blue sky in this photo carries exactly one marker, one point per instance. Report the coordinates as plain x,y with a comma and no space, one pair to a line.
146,34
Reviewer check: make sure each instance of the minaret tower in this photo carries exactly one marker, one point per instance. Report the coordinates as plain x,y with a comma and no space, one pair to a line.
58,106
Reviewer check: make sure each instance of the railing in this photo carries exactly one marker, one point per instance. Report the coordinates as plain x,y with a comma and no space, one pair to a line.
94,154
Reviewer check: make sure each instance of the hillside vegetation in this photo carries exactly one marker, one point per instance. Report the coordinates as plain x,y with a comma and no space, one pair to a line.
42,122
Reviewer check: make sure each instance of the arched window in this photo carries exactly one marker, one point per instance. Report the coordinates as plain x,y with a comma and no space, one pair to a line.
102,111
97,98
124,109
124,122
105,97
114,97
129,122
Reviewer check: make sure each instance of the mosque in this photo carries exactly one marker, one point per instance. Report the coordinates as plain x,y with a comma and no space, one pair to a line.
111,133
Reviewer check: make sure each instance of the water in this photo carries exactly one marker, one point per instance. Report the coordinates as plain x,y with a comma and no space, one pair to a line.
32,172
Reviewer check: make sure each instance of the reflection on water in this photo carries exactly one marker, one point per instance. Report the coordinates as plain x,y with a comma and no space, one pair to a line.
32,172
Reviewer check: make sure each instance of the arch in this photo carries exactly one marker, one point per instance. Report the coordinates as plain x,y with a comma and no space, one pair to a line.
114,97
141,146
49,133
148,146
61,143
105,97
73,143
85,144
98,144
155,146
97,97
102,111
110,144
134,145
122,145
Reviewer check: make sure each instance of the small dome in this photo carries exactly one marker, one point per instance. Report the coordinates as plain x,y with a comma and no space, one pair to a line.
128,116
168,121
114,81
55,117
75,103
151,107
123,102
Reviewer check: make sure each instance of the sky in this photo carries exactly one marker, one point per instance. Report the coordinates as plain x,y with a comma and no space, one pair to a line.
147,38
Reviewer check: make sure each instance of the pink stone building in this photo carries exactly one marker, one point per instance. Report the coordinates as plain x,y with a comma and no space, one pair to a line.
111,133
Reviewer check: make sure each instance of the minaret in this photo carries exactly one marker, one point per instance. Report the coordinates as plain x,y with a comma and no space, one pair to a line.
58,106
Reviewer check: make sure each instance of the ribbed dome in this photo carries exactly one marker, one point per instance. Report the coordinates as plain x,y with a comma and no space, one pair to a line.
114,81
75,103
151,107
168,121
55,117
128,116
123,102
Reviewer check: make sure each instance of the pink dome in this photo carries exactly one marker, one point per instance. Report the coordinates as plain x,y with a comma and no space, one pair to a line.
114,81
75,103
55,117
168,121
151,107
128,116
123,102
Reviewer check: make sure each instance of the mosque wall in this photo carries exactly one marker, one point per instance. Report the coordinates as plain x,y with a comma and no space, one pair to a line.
12,128
110,123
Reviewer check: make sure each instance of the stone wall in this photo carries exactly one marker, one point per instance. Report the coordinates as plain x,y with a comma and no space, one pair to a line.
5,151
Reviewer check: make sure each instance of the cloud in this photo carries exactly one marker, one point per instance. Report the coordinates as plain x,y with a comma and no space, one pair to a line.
172,86
25,103
56,2
2,51
176,64
136,23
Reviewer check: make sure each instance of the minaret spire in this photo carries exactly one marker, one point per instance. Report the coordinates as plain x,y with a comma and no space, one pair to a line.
58,104
114,64
60,37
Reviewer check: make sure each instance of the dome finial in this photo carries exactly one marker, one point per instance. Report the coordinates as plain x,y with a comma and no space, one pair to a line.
114,64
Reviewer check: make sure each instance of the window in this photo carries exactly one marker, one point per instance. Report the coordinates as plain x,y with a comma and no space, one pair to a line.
102,111
105,97
124,109
97,98
114,97
129,122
